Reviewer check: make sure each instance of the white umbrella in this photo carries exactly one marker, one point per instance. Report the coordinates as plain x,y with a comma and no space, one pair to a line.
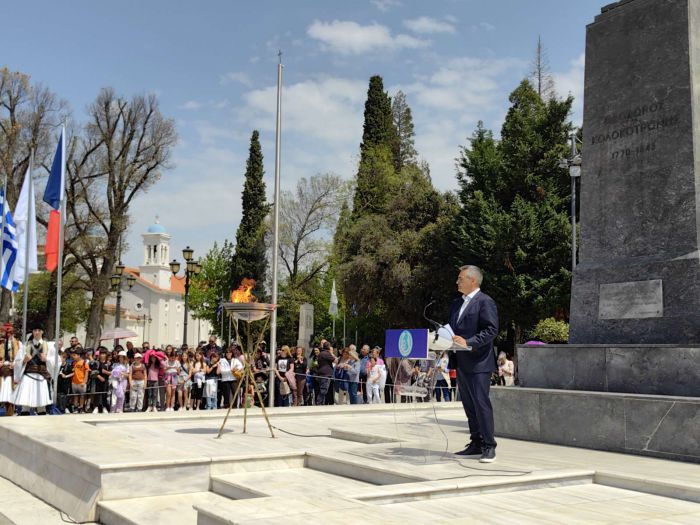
118,333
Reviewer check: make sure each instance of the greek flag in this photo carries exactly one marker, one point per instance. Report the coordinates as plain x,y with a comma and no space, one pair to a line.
9,248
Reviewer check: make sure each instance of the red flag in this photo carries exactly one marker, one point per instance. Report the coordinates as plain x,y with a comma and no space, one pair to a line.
52,235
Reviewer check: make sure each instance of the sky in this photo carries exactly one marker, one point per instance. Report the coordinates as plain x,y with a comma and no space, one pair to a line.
213,66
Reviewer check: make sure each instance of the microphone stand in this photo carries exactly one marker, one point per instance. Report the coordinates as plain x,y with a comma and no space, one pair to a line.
433,323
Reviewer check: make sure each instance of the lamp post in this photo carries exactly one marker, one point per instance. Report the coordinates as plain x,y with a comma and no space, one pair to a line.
192,268
574,166
116,281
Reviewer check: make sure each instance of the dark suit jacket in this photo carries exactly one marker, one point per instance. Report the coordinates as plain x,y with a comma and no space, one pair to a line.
479,326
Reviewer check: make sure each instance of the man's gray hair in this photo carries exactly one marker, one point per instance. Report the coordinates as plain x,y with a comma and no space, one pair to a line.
474,272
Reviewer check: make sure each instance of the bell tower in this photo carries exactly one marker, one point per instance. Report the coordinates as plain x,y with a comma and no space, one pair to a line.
156,256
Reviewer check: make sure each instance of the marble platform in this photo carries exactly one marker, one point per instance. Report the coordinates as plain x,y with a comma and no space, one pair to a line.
326,465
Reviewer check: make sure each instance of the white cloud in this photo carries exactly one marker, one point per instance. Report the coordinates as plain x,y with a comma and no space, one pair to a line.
448,102
427,25
385,5
191,104
571,83
198,202
486,26
235,76
351,38
326,109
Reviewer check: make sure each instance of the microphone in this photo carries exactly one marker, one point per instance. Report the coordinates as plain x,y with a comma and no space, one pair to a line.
434,324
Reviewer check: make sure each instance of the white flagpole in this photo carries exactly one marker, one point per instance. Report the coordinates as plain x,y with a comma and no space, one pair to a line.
59,275
276,228
27,241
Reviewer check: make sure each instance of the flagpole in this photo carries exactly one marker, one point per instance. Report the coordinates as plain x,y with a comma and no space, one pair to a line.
25,299
276,228
2,228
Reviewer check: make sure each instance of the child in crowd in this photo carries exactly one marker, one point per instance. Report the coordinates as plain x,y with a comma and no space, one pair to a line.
374,380
172,374
137,383
210,387
120,373
199,370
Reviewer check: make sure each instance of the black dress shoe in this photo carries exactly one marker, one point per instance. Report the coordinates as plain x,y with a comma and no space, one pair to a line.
473,450
488,455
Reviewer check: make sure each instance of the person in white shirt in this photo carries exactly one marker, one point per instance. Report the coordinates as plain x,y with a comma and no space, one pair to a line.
374,380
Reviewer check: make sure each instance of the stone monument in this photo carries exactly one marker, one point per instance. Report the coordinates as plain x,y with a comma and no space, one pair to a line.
638,277
635,301
306,326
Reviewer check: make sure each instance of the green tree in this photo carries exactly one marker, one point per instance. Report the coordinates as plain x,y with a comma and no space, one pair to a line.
376,167
74,307
394,261
514,216
250,258
212,284
378,128
404,150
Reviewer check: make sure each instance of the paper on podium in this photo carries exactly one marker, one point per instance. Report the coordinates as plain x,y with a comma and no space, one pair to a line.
444,340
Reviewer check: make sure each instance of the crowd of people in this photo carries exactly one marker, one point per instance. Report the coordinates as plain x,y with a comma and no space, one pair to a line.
209,377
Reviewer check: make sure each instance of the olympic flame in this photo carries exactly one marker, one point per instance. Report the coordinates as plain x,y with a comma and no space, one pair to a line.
244,293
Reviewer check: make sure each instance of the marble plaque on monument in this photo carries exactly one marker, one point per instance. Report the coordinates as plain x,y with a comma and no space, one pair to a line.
640,200
633,300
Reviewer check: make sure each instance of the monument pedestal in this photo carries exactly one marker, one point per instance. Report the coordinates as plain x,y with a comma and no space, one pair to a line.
635,369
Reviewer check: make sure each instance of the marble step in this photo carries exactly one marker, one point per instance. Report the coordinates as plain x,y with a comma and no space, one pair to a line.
174,509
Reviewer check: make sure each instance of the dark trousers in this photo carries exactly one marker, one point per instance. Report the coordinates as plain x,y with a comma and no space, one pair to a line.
474,391
226,393
324,387
101,400
363,387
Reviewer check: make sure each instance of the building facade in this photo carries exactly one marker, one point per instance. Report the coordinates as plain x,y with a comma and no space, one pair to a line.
154,307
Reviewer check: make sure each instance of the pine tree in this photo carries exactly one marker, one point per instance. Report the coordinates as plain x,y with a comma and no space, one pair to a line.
404,144
250,258
540,74
514,217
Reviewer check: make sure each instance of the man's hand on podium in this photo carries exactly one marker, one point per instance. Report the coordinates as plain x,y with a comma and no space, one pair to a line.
460,341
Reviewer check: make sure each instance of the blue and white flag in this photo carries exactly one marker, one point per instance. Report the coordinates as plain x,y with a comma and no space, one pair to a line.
9,248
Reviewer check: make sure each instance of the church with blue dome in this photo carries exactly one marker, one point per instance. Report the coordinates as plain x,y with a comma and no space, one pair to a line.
154,307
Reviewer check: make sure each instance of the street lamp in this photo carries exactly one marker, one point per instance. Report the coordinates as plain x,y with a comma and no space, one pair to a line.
192,268
574,166
116,281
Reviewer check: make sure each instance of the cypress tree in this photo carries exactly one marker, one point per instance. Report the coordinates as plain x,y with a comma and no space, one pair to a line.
250,258
378,128
376,169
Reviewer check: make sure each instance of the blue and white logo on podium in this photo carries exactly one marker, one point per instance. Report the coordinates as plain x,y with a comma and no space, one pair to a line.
405,343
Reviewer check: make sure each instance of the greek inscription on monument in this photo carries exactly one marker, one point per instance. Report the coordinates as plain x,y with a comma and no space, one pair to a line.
631,300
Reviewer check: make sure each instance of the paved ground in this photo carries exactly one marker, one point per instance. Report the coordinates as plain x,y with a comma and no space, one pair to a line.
406,473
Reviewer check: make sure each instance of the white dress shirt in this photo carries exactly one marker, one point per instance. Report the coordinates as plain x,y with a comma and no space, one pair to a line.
467,299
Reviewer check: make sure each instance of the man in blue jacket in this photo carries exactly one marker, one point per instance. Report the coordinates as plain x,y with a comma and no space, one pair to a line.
474,321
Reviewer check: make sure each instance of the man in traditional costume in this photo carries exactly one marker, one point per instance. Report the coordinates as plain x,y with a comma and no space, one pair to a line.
32,375
9,348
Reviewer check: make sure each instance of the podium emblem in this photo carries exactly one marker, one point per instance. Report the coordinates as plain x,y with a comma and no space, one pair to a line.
405,343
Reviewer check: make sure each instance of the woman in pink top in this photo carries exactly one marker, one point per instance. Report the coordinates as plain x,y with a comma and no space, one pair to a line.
153,370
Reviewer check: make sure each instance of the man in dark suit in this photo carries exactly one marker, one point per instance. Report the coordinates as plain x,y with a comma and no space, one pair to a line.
474,321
